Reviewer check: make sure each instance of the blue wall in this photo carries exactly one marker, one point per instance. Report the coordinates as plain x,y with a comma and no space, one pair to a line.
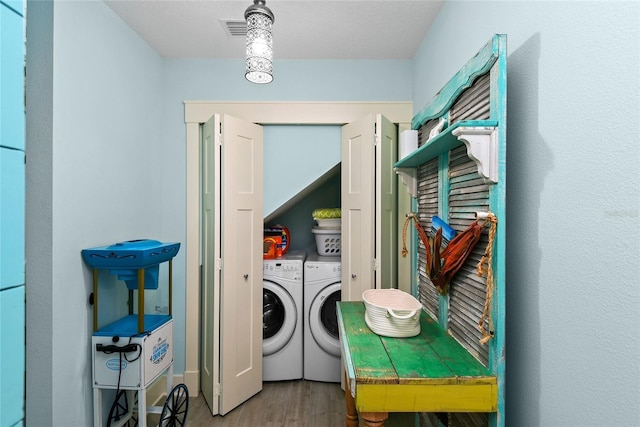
573,263
12,220
106,150
294,156
95,176
223,80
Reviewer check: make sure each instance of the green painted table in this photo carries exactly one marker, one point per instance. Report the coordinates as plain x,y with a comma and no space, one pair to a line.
430,372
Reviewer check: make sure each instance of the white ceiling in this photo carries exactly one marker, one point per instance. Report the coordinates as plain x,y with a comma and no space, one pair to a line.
303,29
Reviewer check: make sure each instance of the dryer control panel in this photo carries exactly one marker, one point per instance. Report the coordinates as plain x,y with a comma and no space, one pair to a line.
329,269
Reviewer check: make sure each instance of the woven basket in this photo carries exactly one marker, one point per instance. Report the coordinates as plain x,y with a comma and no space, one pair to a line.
392,312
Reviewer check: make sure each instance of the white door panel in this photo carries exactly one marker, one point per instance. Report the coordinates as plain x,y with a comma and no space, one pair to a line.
232,263
357,206
241,290
368,206
386,203
210,325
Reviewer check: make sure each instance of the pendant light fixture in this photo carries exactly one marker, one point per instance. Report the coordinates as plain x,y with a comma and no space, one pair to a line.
259,42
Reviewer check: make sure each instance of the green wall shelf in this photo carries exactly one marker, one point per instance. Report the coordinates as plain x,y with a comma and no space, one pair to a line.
480,138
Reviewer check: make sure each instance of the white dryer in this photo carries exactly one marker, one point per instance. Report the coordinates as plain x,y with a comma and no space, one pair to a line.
322,289
282,332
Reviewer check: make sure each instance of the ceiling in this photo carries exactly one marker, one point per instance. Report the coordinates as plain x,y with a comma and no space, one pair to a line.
303,29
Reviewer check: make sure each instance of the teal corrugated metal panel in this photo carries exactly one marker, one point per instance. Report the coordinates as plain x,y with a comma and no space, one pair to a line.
12,202
12,116
12,356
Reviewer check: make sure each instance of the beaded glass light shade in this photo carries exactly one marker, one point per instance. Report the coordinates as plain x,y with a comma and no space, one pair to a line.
259,42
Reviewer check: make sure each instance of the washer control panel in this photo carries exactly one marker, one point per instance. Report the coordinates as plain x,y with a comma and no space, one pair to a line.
291,270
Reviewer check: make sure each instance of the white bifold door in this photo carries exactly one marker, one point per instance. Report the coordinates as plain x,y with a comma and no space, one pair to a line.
231,279
369,206
232,226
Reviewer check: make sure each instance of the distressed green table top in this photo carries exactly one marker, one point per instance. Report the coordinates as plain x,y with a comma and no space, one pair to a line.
431,359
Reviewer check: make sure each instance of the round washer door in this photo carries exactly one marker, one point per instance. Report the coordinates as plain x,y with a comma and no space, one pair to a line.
323,320
278,317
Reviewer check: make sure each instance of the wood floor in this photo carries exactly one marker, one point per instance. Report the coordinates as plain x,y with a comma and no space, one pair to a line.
298,403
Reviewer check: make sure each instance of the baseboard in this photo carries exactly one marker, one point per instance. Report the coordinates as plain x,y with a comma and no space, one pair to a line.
192,381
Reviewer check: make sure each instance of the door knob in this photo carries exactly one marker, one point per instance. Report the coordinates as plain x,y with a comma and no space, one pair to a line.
353,276
246,276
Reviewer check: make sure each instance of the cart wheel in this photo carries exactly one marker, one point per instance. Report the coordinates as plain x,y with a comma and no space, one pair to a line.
174,411
119,409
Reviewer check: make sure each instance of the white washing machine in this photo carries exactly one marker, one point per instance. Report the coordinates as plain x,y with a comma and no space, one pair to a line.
282,318
322,289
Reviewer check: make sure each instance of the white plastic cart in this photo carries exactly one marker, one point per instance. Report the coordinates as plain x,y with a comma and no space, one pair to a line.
130,354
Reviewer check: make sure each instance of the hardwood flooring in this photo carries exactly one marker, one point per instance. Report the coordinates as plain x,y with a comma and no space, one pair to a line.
297,403
283,403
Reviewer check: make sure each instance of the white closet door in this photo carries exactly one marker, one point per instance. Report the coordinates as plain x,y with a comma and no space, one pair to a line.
357,205
386,204
210,275
232,263
369,206
241,290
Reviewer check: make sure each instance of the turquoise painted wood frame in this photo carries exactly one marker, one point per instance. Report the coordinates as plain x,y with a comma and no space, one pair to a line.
486,145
